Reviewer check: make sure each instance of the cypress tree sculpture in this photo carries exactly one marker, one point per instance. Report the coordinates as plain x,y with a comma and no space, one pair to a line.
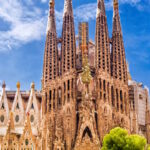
86,74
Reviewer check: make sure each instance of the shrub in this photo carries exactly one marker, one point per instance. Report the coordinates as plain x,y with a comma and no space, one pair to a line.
119,139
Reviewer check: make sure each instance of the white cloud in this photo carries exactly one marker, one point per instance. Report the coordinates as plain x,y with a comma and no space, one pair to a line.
85,12
25,25
59,19
130,1
43,1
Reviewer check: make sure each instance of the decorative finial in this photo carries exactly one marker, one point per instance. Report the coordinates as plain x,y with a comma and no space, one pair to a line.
18,85
32,85
115,4
51,26
100,7
52,3
3,85
68,7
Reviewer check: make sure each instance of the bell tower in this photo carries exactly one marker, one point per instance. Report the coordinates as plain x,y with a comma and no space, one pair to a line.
50,80
119,65
103,74
120,98
68,61
50,68
68,74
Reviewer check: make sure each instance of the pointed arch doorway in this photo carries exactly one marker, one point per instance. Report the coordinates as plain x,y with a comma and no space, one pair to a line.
87,132
87,142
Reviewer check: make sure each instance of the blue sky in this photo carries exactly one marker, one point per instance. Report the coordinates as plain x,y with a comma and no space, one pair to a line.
23,31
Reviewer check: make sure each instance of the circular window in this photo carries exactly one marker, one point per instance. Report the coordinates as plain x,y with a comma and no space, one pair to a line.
32,118
17,118
26,141
2,118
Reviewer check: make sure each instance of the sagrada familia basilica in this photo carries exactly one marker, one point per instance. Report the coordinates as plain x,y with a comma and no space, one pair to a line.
86,91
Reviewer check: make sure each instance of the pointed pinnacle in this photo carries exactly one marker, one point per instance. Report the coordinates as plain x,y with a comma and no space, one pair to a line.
116,16
18,85
115,4
3,85
100,7
51,19
52,3
68,7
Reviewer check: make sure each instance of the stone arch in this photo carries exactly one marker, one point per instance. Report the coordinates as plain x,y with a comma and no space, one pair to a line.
84,126
117,99
88,132
105,110
112,96
68,111
122,121
125,102
59,95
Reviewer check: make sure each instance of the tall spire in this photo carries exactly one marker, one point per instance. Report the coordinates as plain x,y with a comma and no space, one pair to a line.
68,39
50,67
102,60
68,71
50,70
100,7
51,26
118,66
116,17
116,5
68,7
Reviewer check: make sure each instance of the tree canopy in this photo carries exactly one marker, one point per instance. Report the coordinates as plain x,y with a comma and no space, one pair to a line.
119,139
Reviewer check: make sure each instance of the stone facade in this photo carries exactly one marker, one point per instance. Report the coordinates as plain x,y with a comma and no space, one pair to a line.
85,91
20,116
139,109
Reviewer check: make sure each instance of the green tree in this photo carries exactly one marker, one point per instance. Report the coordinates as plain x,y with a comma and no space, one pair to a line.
115,140
148,147
118,139
135,142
